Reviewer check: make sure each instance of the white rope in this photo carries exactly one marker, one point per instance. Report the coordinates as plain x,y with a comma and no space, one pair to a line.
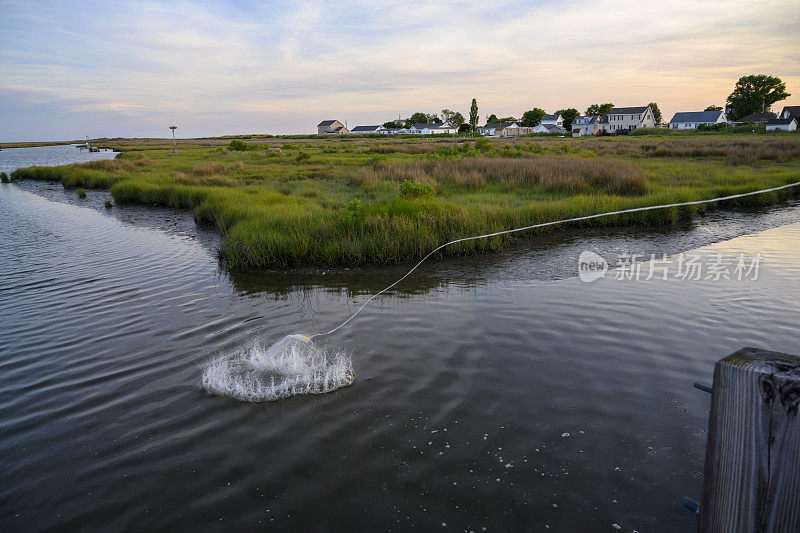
543,224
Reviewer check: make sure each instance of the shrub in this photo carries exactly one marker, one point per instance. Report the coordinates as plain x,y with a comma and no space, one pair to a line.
483,145
81,193
302,156
4,177
239,146
416,189
109,204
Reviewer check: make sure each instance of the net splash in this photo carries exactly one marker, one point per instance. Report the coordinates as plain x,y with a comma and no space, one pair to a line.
292,366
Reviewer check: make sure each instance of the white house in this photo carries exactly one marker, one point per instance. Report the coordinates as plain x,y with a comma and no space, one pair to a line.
627,119
367,129
782,124
432,128
553,120
496,129
548,128
585,126
690,120
791,111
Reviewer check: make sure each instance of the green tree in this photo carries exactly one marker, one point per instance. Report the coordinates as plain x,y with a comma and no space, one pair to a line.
393,124
713,108
454,118
491,119
508,119
473,115
532,117
656,112
596,110
755,93
417,118
568,115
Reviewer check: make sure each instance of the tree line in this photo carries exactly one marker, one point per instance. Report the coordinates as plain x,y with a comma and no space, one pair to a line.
751,94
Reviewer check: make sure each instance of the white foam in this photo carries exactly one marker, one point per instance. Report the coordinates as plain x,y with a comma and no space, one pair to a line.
287,368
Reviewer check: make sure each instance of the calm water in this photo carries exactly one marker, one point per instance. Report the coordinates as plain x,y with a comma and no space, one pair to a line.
498,391
14,158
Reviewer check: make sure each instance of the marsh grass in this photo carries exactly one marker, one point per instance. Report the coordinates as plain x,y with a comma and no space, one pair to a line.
358,201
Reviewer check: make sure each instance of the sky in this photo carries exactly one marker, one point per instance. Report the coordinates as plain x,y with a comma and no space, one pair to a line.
131,69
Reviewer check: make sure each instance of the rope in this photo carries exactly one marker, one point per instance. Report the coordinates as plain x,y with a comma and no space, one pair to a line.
541,225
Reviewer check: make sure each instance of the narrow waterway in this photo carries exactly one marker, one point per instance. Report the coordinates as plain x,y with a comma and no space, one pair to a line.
497,391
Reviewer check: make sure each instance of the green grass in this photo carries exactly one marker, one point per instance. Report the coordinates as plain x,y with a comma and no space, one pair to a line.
313,201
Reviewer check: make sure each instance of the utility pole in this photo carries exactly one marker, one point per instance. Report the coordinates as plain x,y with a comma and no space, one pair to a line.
174,142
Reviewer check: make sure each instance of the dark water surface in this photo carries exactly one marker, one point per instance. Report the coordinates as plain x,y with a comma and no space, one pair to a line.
493,392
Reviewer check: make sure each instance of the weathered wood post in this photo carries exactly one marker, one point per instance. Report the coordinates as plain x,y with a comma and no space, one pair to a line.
752,469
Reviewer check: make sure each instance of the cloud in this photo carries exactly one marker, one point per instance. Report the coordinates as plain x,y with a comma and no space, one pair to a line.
370,61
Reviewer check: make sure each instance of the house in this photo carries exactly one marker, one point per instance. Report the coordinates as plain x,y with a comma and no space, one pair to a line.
756,117
548,128
627,119
791,111
690,120
516,130
397,131
432,128
328,127
367,129
782,124
585,126
554,120
496,129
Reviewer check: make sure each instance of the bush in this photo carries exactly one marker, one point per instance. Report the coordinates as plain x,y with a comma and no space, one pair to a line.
4,177
483,145
81,193
239,146
109,204
416,189
302,156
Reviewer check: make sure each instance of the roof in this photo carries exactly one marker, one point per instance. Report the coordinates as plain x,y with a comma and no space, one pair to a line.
757,117
326,123
779,121
793,110
430,125
696,116
364,128
628,110
335,130
550,117
496,125
554,128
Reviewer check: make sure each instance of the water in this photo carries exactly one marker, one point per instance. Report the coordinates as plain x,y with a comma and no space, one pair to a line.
493,391
64,154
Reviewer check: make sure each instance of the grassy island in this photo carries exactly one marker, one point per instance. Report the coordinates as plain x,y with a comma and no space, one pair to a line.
281,202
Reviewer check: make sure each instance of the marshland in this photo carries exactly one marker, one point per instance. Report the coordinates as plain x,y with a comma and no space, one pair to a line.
286,202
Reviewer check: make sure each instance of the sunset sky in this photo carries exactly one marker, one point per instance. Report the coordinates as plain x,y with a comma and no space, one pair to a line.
130,69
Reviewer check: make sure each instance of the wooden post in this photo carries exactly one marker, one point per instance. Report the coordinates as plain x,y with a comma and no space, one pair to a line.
752,469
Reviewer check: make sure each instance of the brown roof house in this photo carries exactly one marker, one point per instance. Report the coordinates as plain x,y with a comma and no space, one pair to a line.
331,127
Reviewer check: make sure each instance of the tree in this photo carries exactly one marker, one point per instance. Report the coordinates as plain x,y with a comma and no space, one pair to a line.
464,128
507,119
656,112
393,124
454,118
473,115
417,118
595,110
491,119
568,115
532,117
713,108
755,93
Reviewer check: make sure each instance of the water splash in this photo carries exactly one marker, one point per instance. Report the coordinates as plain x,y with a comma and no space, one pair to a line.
293,365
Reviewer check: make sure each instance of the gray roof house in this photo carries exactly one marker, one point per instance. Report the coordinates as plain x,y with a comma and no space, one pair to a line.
366,129
782,124
555,120
625,119
692,119
327,127
495,128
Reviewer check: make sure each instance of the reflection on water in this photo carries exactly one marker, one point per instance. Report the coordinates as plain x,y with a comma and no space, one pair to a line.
496,392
